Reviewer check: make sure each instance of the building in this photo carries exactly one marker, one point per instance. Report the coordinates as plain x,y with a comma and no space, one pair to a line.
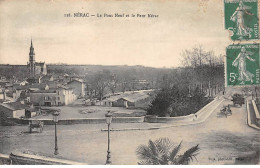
78,87
35,79
47,78
52,97
2,94
32,112
35,68
139,99
133,101
12,110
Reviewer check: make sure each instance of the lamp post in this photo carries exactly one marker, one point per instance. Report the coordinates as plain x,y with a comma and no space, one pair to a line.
108,120
56,119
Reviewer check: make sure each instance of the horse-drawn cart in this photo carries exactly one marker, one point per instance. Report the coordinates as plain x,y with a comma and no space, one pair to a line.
36,124
238,99
226,111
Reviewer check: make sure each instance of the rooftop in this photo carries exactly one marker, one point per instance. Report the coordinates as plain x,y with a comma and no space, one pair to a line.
75,80
130,96
13,105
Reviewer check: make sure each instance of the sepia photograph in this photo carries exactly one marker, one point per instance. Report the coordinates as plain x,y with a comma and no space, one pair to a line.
129,82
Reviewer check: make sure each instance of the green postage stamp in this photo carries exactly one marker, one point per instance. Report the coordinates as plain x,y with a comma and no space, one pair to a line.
242,65
241,19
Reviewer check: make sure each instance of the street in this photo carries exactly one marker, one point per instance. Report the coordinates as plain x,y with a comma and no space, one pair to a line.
220,139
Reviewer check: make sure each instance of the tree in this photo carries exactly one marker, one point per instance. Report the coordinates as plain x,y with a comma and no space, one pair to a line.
124,86
178,100
159,106
101,81
112,84
205,64
163,152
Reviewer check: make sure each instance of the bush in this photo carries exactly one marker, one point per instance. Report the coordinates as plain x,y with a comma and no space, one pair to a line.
177,102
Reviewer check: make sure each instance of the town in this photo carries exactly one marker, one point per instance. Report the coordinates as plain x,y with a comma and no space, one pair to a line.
170,83
40,90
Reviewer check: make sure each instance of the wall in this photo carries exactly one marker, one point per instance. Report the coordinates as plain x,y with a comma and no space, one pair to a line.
155,119
78,88
38,98
4,159
257,118
18,113
122,103
37,70
69,97
17,94
18,158
5,112
82,120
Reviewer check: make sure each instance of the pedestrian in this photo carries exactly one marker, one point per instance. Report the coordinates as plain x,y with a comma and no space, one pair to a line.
229,110
195,117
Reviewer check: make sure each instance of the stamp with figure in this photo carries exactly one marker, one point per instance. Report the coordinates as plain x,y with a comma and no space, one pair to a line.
242,65
241,19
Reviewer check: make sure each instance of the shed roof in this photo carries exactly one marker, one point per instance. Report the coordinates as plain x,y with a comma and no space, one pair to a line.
132,97
40,86
75,80
13,105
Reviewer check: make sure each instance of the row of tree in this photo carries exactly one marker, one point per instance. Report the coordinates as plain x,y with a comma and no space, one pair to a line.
185,90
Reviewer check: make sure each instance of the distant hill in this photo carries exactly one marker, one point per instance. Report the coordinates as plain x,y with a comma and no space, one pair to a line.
138,72
19,71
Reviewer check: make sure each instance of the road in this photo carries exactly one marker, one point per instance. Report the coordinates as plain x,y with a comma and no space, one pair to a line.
220,139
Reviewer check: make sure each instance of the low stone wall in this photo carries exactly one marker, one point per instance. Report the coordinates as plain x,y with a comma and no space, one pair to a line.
128,119
257,118
190,117
82,120
203,111
28,159
4,159
155,119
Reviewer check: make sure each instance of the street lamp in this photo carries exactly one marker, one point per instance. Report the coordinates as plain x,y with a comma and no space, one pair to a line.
56,119
108,120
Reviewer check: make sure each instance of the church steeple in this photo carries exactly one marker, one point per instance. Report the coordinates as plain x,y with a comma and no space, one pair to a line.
31,49
32,60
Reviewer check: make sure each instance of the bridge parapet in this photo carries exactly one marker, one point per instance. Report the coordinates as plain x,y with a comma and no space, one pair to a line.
257,118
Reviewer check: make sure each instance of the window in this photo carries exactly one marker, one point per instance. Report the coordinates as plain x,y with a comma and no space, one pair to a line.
46,98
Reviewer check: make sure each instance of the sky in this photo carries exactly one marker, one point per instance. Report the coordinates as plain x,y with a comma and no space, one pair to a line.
153,42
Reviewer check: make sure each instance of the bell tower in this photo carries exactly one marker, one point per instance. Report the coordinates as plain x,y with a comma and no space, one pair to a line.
32,61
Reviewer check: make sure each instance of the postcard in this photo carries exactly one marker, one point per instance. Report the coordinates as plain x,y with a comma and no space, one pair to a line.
121,82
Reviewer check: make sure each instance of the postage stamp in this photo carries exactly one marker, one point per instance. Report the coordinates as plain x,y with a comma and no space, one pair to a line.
241,19
242,65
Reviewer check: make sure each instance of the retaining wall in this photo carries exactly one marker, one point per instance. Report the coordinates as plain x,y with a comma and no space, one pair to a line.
4,159
155,119
257,118
28,159
82,120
